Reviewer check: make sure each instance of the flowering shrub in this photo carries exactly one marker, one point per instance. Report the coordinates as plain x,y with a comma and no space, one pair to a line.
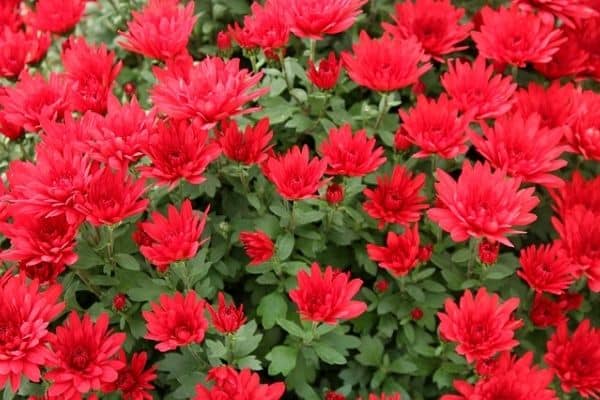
300,199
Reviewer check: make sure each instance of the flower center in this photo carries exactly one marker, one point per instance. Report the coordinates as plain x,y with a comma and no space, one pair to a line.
80,358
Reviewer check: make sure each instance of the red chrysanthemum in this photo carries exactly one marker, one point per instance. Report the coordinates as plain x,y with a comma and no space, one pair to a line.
258,246
383,396
570,60
397,198
546,312
577,192
568,11
160,30
585,133
487,252
334,194
313,19
574,358
9,129
546,268
482,204
436,127
227,318
385,64
83,357
19,48
295,175
135,381
475,89
176,321
247,147
209,91
351,154
9,14
231,384
327,296
514,37
174,238
266,27
56,17
435,23
481,326
25,313
400,254
587,32
326,73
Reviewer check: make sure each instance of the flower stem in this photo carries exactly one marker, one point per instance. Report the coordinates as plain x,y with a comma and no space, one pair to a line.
472,256
312,50
383,108
292,224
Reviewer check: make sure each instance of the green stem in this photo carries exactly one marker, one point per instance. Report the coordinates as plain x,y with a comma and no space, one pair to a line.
229,339
312,50
292,224
83,278
383,108
284,72
472,256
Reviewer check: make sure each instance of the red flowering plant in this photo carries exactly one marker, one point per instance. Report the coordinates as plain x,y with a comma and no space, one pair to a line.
300,199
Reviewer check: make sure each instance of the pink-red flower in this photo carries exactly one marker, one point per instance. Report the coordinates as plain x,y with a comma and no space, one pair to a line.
351,154
176,321
160,30
487,252
396,199
249,146
435,23
326,73
482,204
334,194
327,296
227,318
481,326
400,254
135,381
258,246
266,27
583,137
25,313
545,312
546,268
577,192
313,19
383,396
19,48
570,60
83,357
56,17
231,384
385,64
568,11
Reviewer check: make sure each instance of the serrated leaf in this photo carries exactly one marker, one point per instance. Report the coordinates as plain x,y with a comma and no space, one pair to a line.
271,308
290,327
127,261
285,246
283,360
328,354
371,351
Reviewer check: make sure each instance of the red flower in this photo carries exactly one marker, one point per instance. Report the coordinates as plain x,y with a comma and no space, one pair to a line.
258,245
383,396
577,192
385,64
481,326
20,48
247,147
488,252
231,384
416,314
523,148
227,318
9,14
295,175
573,358
567,11
92,72
334,396
314,18
56,17
425,253
179,150
435,127
474,89
571,59
547,268
326,73
587,32
8,129
401,142
435,23
545,312
82,358
482,204
134,382
25,313
161,30
266,27
119,302
327,297
334,194
176,237
382,285
176,321
516,38
396,199
583,137
223,40
351,154
401,253
209,91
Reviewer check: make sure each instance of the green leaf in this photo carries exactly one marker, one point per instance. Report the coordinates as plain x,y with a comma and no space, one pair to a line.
127,261
215,349
250,362
328,354
283,360
285,246
87,257
291,328
461,256
271,308
245,340
402,366
497,272
371,351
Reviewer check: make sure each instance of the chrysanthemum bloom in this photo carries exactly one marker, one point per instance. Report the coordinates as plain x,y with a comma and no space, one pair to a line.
112,197
436,127
435,23
514,37
18,48
568,11
326,73
25,313
209,91
546,268
511,378
92,71
385,64
267,27
9,14
179,150
227,318
8,129
135,381
587,33
546,312
523,148
295,175
397,198
249,146
383,396
334,396
481,326
176,237
487,252
231,384
482,204
258,246
176,321
160,30
70,136
570,60
83,357
583,137
577,192
334,194
475,88
33,99
400,254
574,358
327,296
223,41
313,19
351,154
56,17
